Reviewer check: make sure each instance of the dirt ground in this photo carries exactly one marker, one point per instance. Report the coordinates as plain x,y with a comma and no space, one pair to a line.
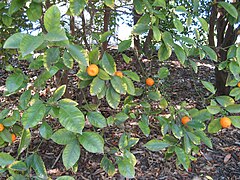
221,162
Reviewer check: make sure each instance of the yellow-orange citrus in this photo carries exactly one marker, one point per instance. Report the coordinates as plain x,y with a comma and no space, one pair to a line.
1,127
13,137
185,120
92,70
238,84
225,122
149,81
119,74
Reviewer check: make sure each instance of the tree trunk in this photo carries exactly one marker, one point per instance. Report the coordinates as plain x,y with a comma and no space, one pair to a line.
106,20
137,44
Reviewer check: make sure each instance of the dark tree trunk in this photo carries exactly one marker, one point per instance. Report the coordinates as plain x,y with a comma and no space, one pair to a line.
106,20
147,47
226,36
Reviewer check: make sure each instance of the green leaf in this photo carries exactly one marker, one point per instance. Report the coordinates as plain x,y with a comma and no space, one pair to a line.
121,117
92,142
30,43
103,75
143,125
78,54
130,85
214,126
71,118
194,66
124,45
187,145
51,56
126,168
133,75
138,5
34,12
154,95
130,157
163,72
180,53
167,38
13,42
44,76
210,52
156,145
10,121
235,121
182,157
196,124
160,3
63,136
39,167
7,20
46,130
52,19
18,166
97,86
164,52
5,159
59,93
71,154
234,108
225,100
56,36
15,6
108,64
97,119
112,97
24,99
156,33
229,8
204,24
140,28
195,139
235,69
204,138
209,86
5,135
108,166
178,24
77,6
65,178
14,82
24,141
177,131
67,60
126,58
109,3
118,84
214,109
33,115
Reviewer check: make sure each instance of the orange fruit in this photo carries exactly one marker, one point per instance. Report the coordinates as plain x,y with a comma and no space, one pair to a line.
92,70
185,120
13,137
238,84
1,127
119,74
225,122
149,81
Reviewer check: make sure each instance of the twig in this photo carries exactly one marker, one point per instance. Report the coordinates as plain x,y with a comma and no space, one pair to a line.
55,162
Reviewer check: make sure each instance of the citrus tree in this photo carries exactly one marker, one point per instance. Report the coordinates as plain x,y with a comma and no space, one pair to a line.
53,50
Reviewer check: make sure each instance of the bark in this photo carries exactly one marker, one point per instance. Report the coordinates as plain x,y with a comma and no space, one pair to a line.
106,20
147,47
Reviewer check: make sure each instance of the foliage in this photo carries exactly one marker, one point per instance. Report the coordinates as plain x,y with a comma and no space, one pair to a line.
53,50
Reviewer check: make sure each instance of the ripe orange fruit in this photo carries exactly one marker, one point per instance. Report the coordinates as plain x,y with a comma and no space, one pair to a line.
119,74
225,122
238,84
13,137
1,127
92,70
185,120
149,81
